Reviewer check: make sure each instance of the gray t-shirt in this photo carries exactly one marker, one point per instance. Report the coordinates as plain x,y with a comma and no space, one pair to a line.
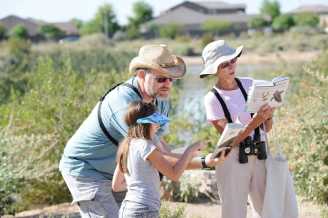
143,183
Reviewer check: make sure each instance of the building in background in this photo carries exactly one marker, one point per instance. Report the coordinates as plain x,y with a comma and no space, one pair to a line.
33,26
190,16
318,9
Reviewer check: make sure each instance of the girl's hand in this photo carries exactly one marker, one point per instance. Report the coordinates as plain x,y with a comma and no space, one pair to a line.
197,147
212,162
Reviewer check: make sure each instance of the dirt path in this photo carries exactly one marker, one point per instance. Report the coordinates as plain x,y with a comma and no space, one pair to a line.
203,210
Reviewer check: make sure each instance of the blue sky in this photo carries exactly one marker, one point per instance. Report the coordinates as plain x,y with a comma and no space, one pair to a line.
64,10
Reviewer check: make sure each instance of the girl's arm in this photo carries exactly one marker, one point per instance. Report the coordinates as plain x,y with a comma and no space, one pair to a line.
169,169
118,183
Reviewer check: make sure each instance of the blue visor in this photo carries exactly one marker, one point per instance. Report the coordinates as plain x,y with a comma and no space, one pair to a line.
155,118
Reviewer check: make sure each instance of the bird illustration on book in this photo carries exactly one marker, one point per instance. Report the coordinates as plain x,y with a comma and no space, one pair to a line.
265,96
277,96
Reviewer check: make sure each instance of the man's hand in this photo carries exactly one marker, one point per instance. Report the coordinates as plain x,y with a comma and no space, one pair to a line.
212,162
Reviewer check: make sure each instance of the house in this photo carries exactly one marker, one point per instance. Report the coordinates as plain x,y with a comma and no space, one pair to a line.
318,9
191,15
33,26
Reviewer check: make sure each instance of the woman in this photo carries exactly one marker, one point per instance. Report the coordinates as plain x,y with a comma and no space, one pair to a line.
139,161
243,173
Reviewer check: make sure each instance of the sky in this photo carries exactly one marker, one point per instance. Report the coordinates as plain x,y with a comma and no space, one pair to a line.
64,10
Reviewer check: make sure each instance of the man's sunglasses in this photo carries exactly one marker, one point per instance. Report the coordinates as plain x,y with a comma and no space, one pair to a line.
226,64
163,79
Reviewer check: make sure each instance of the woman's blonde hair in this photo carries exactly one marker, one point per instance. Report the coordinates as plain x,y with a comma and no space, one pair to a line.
136,110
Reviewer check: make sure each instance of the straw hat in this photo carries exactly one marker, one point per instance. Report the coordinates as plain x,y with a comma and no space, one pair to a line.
216,53
158,57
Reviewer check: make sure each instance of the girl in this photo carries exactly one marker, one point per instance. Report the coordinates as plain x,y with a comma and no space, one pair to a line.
139,161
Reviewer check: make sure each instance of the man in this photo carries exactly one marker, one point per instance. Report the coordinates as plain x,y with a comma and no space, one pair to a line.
88,161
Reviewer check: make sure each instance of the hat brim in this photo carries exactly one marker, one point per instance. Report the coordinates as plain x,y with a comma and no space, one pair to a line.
177,71
212,69
155,118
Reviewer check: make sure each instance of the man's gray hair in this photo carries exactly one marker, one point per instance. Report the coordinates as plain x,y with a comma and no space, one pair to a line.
146,70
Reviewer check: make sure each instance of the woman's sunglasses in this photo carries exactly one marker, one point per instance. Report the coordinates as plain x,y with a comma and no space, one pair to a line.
226,64
163,79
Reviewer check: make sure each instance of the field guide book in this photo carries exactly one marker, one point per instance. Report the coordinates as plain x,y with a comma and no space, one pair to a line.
272,92
230,132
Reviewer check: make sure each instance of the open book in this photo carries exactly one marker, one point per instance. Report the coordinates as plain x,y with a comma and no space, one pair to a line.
271,92
230,132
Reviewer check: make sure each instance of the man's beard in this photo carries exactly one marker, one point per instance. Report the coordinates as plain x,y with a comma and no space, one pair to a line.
151,92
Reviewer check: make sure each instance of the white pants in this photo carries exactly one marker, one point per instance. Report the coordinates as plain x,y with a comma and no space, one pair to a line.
236,181
94,198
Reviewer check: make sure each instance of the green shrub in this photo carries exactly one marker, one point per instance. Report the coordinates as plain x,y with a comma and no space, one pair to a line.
19,32
258,22
283,23
206,39
307,19
37,126
3,32
170,31
166,212
51,32
216,27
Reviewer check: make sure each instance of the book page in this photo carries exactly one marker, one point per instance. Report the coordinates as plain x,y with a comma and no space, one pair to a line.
273,93
230,131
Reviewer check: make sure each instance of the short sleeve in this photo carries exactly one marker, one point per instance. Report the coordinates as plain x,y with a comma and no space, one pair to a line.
146,149
213,108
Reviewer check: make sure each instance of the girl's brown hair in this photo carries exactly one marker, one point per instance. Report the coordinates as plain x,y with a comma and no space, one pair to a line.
136,110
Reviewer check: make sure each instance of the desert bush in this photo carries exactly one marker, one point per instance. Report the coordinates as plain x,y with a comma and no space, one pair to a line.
170,31
307,19
207,38
37,126
166,212
283,23
216,27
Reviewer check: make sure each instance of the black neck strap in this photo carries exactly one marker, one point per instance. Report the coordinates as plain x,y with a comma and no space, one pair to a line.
227,114
100,121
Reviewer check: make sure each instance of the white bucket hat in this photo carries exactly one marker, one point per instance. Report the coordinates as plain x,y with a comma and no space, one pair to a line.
158,57
216,53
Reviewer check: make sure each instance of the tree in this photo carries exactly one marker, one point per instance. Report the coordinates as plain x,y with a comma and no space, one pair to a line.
283,23
307,19
142,12
51,32
3,32
258,22
19,31
77,23
104,21
216,27
270,8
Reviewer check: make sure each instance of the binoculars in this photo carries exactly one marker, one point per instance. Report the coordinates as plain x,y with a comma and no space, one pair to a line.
251,147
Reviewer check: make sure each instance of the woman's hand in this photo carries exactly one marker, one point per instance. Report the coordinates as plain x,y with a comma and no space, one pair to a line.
212,162
265,112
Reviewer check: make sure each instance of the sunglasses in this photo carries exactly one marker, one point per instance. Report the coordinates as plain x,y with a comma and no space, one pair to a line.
231,62
163,79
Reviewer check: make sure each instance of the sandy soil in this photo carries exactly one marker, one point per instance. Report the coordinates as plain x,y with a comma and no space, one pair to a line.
197,210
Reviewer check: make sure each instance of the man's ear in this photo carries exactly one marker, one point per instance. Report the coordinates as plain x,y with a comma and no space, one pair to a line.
141,74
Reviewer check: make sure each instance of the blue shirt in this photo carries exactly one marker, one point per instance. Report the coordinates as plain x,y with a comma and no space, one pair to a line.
89,153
